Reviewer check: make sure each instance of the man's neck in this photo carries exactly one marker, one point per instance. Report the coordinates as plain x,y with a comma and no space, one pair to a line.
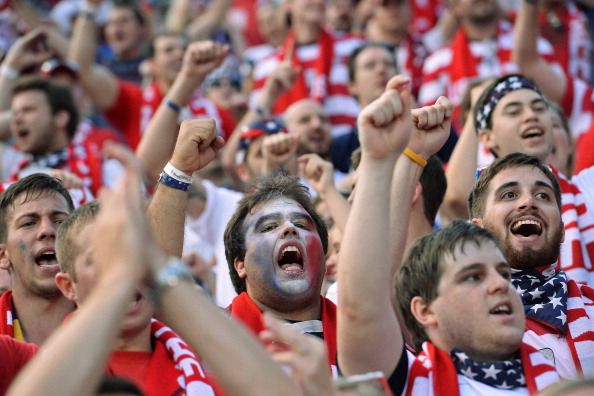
306,33
312,311
478,32
139,342
163,85
40,316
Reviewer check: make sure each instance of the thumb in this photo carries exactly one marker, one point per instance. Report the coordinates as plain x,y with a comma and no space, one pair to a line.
402,84
446,104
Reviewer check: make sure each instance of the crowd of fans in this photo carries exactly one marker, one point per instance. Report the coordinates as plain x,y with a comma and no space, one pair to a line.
296,197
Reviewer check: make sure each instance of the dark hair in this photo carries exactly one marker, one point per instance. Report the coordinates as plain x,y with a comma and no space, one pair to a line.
355,54
422,268
158,35
271,187
132,6
478,196
58,96
66,236
434,184
33,186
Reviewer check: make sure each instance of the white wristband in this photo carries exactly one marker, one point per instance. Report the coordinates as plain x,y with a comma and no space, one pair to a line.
177,174
9,72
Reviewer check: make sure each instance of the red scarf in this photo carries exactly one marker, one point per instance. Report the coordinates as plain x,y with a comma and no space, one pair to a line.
6,315
321,72
243,308
436,366
174,368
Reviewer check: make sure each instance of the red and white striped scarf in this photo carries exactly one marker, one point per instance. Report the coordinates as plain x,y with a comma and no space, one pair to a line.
434,373
560,306
187,375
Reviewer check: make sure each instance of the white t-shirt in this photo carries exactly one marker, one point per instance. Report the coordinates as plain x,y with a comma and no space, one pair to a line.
210,226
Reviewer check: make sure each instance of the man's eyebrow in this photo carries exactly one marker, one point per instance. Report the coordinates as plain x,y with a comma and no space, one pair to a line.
265,218
35,214
469,268
540,183
506,185
511,104
300,215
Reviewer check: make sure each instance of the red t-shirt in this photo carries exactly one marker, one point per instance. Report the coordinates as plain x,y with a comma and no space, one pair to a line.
14,355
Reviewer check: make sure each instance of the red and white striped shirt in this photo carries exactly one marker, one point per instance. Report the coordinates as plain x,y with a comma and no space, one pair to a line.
449,70
341,108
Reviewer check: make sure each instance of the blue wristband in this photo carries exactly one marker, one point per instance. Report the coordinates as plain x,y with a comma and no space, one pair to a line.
169,181
172,105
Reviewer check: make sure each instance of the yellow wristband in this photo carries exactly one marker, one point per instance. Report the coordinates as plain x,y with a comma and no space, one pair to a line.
414,157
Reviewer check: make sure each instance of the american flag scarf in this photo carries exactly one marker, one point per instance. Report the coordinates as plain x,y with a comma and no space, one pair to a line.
435,372
563,307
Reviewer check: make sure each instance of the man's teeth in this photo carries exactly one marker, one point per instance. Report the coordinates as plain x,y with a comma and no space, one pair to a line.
290,249
526,222
501,309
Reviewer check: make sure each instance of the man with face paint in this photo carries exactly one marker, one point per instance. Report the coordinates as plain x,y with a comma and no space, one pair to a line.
518,199
275,245
30,212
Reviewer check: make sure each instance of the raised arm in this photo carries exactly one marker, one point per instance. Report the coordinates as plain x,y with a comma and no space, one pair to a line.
58,369
99,82
462,165
369,336
320,175
197,145
525,53
431,129
157,143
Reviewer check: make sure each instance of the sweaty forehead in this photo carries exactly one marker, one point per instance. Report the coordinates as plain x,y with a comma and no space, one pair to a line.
519,175
303,108
523,96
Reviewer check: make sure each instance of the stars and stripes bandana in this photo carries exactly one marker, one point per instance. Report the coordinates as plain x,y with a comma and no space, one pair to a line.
503,375
436,372
563,306
502,87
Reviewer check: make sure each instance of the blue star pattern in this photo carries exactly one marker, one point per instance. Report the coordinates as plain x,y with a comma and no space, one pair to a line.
544,297
503,375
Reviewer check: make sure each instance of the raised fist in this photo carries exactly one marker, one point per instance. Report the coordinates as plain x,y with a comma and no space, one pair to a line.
197,144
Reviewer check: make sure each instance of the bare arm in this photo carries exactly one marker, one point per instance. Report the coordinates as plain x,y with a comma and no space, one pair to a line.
158,141
99,82
204,25
525,54
196,146
369,336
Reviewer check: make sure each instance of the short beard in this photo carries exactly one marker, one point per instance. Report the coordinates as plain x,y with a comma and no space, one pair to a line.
527,257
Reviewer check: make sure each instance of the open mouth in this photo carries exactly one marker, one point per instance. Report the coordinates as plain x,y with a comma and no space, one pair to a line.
22,133
290,259
526,227
532,132
46,258
502,309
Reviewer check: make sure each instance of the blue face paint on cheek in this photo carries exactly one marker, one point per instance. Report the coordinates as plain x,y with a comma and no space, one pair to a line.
22,247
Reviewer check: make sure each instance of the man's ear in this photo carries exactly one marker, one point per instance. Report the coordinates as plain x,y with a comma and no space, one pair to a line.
243,172
240,268
61,119
422,312
66,286
487,138
5,263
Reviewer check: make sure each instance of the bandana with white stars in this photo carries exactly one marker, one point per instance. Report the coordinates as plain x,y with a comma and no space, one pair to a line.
505,85
544,295
508,374
435,372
